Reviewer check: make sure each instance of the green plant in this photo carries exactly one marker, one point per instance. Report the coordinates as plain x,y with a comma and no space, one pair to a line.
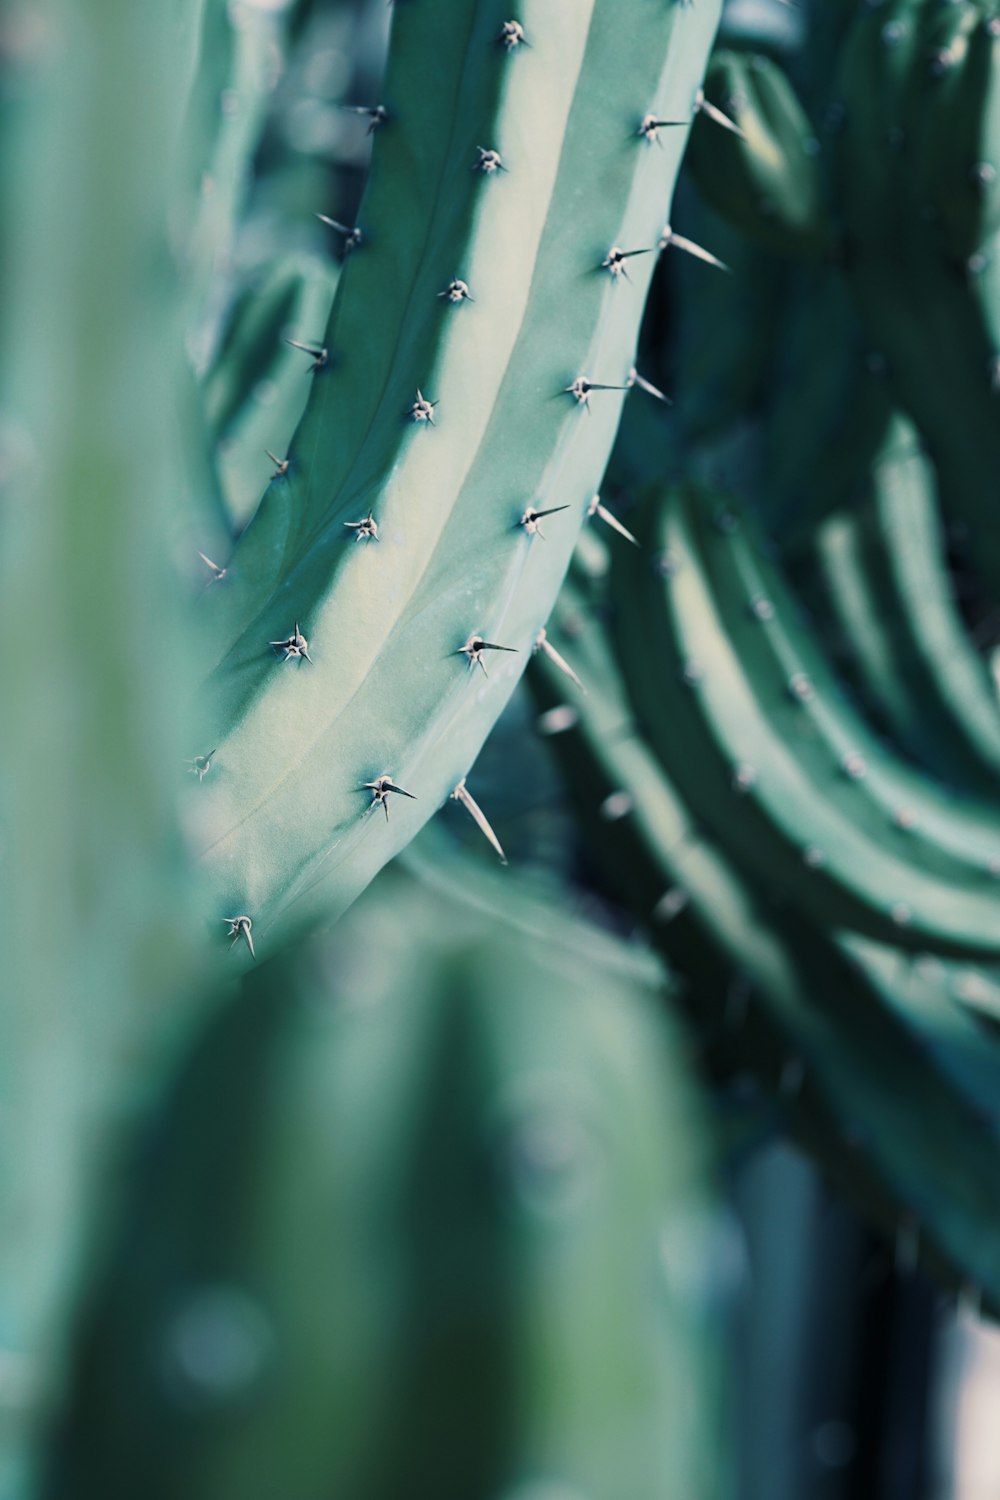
111,492
783,763
451,1189
869,1061
282,531
470,381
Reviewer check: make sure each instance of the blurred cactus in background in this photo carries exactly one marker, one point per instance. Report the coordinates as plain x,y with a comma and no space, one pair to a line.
356,363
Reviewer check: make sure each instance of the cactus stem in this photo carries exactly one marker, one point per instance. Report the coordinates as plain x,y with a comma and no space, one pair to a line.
531,519
200,765
377,115
422,410
364,531
474,648
296,645
381,789
239,927
489,161
218,574
320,356
615,260
351,237
462,794
281,465
512,36
457,291
542,643
669,237
597,508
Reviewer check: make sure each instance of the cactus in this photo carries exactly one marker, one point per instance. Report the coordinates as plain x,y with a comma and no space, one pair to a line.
920,232
442,1214
457,1193
253,393
236,54
740,798
822,1025
764,175
735,697
890,598
472,375
95,924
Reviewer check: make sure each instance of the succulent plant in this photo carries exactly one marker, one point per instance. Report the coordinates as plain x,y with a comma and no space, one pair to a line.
451,1189
383,599
470,381
285,529
825,1026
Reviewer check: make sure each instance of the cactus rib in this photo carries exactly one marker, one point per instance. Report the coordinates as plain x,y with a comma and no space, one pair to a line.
281,836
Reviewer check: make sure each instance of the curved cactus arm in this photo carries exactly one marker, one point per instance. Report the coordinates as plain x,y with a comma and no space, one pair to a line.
821,1026
943,364
954,835
889,597
738,707
447,420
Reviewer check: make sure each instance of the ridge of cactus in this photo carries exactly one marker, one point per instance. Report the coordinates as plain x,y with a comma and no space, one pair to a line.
419,408
460,1192
899,247
818,1022
725,692
888,593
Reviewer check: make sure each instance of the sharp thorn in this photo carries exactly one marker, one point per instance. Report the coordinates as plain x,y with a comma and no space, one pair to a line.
596,508
689,247
542,643
462,794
